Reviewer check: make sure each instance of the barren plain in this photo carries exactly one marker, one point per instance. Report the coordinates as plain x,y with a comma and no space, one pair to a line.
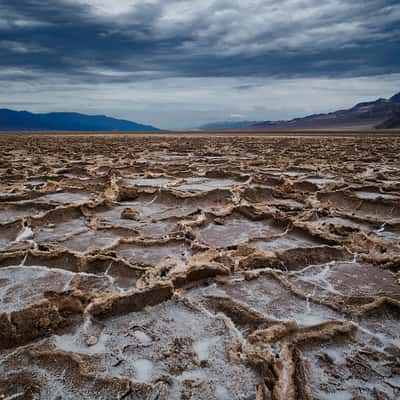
210,267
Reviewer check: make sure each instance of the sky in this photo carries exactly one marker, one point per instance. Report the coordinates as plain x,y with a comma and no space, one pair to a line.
178,64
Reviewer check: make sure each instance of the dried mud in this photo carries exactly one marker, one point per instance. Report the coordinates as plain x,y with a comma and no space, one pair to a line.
220,268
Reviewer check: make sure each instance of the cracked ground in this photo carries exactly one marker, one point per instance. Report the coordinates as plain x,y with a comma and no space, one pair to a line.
166,267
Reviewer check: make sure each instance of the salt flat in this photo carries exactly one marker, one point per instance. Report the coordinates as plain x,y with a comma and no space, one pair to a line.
200,266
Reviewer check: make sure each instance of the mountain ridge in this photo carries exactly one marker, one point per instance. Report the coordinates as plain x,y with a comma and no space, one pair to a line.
11,120
379,114
364,115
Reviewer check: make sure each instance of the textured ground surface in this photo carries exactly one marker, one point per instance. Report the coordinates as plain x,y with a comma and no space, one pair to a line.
216,268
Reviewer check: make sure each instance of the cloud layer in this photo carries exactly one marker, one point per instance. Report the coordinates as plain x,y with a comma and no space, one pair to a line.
128,42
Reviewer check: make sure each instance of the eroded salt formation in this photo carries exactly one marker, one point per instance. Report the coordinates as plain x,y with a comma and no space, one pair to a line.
199,268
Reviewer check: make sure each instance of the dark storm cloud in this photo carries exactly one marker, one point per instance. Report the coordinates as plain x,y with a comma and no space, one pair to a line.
182,63
130,40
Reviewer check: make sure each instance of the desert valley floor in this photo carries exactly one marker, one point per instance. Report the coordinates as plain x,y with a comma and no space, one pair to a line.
211,267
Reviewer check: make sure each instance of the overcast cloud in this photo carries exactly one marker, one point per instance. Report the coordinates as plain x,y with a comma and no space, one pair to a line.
178,63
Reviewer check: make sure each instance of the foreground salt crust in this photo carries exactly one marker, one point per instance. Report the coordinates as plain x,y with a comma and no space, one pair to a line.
199,268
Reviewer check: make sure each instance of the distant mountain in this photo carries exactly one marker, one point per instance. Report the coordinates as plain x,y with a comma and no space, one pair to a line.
391,123
368,115
59,121
218,126
396,98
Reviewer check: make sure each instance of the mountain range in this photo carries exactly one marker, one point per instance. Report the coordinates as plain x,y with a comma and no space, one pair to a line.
392,123
380,114
216,126
60,121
